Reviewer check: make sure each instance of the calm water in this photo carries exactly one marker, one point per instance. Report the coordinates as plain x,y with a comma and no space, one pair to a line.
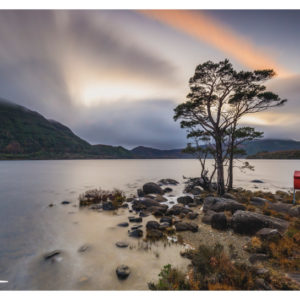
29,228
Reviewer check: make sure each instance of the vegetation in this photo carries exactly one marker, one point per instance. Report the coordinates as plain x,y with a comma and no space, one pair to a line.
212,269
219,97
97,196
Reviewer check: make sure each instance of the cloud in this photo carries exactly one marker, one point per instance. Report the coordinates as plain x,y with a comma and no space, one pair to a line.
205,28
48,58
133,123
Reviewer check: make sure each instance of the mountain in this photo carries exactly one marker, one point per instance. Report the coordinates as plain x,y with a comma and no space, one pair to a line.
26,134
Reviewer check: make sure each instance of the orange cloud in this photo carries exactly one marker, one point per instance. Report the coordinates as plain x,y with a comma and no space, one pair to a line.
207,29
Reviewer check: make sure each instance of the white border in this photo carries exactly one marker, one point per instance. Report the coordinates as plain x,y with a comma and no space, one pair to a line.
154,4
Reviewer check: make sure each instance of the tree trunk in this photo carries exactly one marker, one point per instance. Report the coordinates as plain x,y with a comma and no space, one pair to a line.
220,167
230,167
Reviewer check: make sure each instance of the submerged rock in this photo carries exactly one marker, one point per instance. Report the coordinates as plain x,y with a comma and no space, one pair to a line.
123,224
83,248
123,271
166,219
177,210
167,190
65,202
257,181
192,215
140,193
52,254
246,222
152,188
122,244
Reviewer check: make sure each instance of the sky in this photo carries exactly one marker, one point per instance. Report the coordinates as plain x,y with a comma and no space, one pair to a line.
114,77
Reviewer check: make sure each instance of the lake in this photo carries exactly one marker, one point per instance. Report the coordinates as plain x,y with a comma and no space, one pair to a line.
29,228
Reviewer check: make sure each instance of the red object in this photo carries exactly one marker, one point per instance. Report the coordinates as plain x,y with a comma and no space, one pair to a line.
297,180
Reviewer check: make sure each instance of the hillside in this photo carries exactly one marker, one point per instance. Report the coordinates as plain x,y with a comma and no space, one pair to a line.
24,132
288,154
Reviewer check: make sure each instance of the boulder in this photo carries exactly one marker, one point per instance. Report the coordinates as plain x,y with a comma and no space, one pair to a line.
144,203
152,225
123,271
167,190
269,234
206,219
137,233
129,199
121,244
246,222
140,193
219,221
290,209
108,205
154,234
160,198
196,191
229,196
184,226
166,219
135,219
168,181
192,215
258,257
177,210
123,224
163,226
152,188
258,201
221,204
143,214
124,205
185,200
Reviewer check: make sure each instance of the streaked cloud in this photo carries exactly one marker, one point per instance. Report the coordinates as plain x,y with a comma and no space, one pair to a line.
205,28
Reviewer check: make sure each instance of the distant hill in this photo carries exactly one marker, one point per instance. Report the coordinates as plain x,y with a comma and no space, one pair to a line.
147,152
270,145
287,154
26,134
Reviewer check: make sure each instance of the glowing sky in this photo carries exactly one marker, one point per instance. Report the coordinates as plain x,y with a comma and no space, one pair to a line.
114,77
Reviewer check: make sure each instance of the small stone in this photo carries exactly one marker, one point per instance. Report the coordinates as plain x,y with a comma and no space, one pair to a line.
83,248
123,271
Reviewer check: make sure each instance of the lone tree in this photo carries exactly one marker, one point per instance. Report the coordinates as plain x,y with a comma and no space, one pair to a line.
219,97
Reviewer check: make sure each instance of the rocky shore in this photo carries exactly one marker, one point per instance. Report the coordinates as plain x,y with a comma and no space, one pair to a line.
260,230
